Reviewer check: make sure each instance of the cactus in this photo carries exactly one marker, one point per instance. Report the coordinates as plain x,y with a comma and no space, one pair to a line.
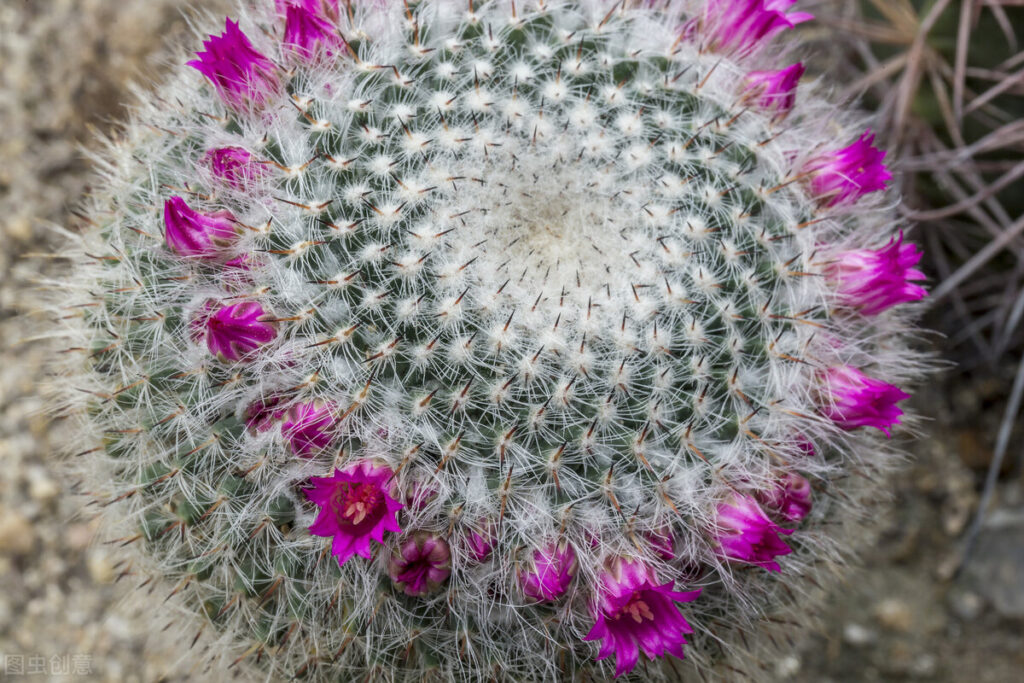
487,341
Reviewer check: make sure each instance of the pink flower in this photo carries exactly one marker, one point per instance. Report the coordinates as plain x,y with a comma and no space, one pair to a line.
262,414
283,5
307,31
311,5
774,91
420,564
790,497
873,280
356,506
862,401
233,331
805,447
845,175
233,166
633,612
550,573
241,75
308,428
193,233
663,543
745,25
480,542
745,534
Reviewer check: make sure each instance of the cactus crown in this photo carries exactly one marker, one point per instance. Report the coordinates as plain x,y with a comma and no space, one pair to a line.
440,338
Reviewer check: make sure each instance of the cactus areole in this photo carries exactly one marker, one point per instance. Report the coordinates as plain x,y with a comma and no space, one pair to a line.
488,341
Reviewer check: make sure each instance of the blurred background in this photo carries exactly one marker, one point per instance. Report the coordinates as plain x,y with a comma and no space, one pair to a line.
940,594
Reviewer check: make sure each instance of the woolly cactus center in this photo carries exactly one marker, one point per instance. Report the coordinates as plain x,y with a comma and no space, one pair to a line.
359,506
549,221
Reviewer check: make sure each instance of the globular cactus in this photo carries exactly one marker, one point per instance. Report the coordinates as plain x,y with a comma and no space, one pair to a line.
487,340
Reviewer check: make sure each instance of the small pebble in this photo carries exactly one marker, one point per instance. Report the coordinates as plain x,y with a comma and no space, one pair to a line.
966,605
101,569
17,537
924,666
40,486
788,666
78,536
894,615
858,636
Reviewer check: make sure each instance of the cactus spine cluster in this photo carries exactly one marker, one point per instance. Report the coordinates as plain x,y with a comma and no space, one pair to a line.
486,340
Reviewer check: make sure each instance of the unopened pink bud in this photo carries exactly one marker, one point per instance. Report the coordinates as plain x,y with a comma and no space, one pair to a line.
420,564
188,232
549,572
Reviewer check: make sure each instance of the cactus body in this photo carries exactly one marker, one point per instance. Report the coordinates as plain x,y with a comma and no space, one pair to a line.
419,341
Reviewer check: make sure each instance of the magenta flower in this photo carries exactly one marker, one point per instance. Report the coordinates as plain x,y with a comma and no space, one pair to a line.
241,75
745,534
233,166
774,91
307,31
845,175
420,564
550,573
480,542
357,505
308,428
790,497
745,25
283,5
262,414
873,280
193,233
862,401
805,447
311,5
633,612
233,331
663,543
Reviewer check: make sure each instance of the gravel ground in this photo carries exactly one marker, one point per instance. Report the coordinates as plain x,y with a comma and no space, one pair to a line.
64,67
